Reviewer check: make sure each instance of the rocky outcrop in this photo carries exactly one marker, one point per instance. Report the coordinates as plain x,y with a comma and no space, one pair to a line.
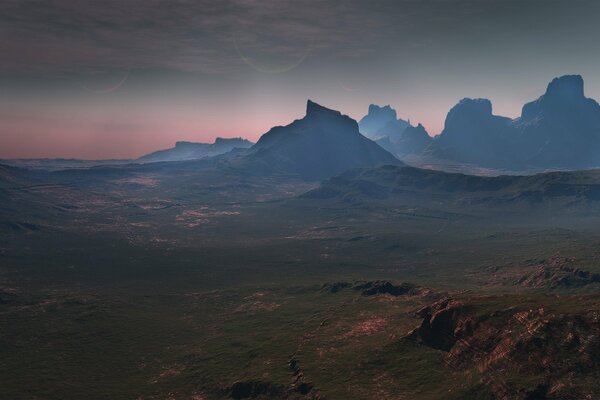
371,288
442,324
558,272
335,287
533,341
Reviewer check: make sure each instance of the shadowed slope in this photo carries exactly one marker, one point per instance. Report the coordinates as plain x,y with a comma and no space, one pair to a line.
322,144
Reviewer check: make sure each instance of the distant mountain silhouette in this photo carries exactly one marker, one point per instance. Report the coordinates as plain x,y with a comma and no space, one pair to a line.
473,134
562,127
412,140
320,145
395,135
193,151
381,122
559,130
377,118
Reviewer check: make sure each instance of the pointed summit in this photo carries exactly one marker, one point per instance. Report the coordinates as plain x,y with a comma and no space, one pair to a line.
420,128
313,108
322,144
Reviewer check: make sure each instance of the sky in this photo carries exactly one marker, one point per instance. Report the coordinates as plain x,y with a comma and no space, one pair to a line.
120,78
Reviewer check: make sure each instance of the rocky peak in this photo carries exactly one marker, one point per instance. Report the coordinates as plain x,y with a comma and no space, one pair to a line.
385,112
564,96
380,121
567,87
473,106
314,109
417,130
181,144
238,140
467,114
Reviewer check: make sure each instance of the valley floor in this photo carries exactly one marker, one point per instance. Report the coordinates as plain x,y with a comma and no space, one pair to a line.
138,291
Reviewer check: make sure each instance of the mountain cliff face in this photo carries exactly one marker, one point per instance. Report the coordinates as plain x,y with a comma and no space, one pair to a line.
322,144
561,129
473,134
193,151
485,335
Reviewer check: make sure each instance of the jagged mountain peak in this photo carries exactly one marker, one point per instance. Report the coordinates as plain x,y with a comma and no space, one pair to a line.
381,122
419,128
314,109
386,111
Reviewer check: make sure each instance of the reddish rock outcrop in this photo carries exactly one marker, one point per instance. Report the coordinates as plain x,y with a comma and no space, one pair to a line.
534,342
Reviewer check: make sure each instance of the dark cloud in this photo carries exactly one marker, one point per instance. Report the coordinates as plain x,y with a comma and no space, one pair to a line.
182,35
202,36
193,64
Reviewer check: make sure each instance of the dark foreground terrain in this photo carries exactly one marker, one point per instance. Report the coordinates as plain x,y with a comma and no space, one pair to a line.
173,281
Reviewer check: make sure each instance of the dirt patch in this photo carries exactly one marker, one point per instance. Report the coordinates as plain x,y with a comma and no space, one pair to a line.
255,302
366,328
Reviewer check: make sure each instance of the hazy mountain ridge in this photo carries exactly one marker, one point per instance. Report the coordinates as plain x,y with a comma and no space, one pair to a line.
182,151
192,151
559,130
558,191
395,135
380,120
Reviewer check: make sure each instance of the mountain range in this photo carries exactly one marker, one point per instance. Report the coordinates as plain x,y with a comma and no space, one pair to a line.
193,151
559,130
